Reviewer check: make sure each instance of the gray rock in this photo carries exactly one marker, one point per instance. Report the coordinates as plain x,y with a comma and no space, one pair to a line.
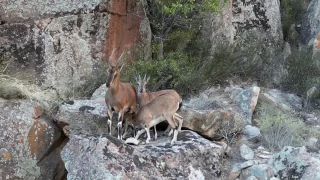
246,152
311,23
284,101
250,24
214,123
84,117
100,93
30,143
246,100
296,163
250,131
260,171
252,178
193,157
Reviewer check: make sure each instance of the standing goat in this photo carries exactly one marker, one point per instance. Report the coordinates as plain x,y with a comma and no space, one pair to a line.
120,97
144,98
161,108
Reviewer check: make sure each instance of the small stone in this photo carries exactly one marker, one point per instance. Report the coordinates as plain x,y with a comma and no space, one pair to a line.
252,178
250,131
246,152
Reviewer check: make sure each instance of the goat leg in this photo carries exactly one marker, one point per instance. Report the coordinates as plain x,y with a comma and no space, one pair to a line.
139,133
148,134
119,126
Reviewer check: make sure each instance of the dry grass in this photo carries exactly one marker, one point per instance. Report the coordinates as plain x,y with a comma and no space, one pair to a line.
12,88
280,129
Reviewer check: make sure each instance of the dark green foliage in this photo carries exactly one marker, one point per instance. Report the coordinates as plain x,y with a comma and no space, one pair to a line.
292,13
303,71
174,72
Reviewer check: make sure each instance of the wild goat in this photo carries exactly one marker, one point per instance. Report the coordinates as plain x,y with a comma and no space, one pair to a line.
144,98
159,109
120,97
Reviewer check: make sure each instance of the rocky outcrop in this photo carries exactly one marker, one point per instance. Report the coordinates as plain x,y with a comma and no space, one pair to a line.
310,23
63,44
30,142
84,117
254,25
218,112
240,20
193,157
289,163
214,114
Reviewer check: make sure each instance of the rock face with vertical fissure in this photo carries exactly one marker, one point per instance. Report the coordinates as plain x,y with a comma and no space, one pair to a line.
62,44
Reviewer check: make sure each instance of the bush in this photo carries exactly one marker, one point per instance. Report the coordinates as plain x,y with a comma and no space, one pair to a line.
279,129
303,72
174,72
292,13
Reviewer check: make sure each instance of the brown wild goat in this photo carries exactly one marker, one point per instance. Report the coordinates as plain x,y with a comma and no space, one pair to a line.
161,108
120,97
144,98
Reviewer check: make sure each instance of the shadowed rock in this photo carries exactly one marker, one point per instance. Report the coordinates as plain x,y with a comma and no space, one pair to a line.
30,143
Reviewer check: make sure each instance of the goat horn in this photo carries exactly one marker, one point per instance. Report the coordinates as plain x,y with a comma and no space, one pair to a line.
111,56
145,76
120,60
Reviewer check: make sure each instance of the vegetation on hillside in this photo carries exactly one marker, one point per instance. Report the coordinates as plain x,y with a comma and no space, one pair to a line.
280,129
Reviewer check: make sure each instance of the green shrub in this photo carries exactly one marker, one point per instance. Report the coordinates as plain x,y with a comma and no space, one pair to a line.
292,13
280,129
303,72
174,72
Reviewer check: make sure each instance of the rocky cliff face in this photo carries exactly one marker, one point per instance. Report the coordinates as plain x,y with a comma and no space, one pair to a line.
254,25
62,44
310,26
240,20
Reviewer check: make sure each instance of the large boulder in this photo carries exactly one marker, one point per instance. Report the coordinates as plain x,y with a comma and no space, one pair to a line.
64,45
84,117
310,23
30,142
296,162
193,157
240,19
254,25
217,113
285,101
289,163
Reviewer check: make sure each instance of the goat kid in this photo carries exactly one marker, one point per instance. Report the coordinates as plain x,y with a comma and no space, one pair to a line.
144,98
120,97
158,110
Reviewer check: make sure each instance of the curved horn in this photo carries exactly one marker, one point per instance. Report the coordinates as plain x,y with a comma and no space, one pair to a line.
120,60
145,76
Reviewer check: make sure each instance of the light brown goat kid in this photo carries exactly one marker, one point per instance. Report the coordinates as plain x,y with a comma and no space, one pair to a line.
120,97
145,97
161,108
